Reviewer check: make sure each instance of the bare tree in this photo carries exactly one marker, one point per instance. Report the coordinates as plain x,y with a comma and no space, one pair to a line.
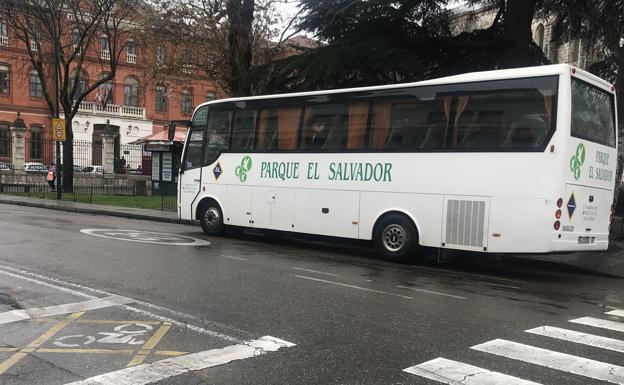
59,37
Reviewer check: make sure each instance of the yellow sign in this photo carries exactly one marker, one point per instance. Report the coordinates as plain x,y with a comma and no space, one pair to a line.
58,130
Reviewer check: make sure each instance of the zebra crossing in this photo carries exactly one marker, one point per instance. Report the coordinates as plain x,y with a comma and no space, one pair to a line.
442,370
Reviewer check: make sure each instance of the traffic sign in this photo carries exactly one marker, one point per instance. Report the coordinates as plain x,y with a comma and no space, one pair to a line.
58,130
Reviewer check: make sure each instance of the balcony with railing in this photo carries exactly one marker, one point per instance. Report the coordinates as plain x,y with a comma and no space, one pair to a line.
132,58
105,54
112,110
4,41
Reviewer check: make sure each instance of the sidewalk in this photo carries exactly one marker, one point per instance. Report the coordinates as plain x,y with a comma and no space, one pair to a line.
86,208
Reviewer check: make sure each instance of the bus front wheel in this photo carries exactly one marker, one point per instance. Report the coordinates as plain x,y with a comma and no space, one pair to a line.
396,238
211,218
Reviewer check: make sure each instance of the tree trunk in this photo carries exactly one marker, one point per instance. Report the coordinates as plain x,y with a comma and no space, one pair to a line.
240,15
68,156
619,87
517,35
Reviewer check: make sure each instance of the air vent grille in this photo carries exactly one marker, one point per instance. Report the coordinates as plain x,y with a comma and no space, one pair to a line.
465,222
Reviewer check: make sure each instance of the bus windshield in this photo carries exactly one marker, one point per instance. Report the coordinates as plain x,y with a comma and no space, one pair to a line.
593,113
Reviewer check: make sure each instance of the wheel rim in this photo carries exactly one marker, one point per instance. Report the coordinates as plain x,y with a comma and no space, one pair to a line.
212,218
394,237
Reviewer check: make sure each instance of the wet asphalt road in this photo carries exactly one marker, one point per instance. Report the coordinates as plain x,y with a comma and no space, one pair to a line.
354,319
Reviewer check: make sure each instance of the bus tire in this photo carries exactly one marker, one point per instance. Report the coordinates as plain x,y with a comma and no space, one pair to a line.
396,238
211,218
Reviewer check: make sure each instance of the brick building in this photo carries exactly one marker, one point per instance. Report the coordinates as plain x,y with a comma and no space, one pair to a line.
131,106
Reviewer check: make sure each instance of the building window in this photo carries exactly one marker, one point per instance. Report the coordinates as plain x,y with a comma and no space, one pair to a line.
186,101
538,37
104,48
4,34
35,40
34,81
82,85
161,99
76,40
161,55
131,92
36,143
5,141
131,48
5,80
187,66
105,92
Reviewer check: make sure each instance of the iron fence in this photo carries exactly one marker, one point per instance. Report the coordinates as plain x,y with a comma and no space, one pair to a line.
6,152
111,195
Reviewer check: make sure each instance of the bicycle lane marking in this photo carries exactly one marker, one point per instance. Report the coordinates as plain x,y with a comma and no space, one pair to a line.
6,365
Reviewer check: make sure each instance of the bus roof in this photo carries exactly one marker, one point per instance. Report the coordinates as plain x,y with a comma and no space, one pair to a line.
554,69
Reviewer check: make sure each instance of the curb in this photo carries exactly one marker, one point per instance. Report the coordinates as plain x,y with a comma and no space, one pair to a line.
96,211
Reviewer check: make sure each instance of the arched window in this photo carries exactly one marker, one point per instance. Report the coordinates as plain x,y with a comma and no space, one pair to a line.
131,48
131,92
82,84
34,84
36,143
5,80
105,91
104,47
539,35
186,101
5,141
4,33
161,99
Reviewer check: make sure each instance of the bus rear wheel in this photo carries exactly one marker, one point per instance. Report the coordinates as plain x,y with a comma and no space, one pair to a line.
396,238
211,218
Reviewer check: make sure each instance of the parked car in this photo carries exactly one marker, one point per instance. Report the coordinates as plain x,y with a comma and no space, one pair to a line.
93,170
77,168
35,167
134,171
4,167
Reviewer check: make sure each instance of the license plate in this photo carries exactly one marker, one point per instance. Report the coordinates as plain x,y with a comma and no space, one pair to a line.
586,240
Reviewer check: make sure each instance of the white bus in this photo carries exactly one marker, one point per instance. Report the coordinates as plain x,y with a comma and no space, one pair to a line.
508,161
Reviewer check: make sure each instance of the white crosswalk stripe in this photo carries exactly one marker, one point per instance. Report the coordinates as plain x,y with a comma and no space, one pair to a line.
616,312
600,323
457,373
579,338
554,360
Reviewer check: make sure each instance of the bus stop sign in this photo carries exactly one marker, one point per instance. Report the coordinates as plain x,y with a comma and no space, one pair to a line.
58,130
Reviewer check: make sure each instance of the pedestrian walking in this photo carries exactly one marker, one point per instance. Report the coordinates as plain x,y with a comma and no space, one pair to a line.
51,177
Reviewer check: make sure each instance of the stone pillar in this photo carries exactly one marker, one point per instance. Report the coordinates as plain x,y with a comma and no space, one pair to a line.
108,152
18,143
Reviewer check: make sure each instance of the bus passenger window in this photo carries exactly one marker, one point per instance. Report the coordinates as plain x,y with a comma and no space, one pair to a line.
288,127
325,127
217,135
243,130
358,120
267,131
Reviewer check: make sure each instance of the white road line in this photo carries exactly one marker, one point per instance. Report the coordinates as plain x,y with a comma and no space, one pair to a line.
58,285
579,338
554,360
48,311
600,323
430,292
457,373
355,287
616,312
171,367
227,256
316,271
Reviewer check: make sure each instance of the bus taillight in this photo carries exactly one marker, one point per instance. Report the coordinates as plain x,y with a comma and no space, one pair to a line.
559,202
558,214
557,225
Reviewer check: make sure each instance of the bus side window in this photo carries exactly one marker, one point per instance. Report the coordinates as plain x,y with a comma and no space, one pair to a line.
194,149
217,135
288,127
243,130
358,119
325,127
267,131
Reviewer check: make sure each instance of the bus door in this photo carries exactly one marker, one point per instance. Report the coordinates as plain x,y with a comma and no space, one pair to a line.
191,170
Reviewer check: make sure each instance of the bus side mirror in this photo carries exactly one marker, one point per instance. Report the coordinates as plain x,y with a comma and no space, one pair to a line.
171,131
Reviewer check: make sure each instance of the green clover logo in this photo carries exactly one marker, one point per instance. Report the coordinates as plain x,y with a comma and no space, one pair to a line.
242,170
577,161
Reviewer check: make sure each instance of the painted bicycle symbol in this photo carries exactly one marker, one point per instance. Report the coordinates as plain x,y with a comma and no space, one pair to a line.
242,170
129,334
577,161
